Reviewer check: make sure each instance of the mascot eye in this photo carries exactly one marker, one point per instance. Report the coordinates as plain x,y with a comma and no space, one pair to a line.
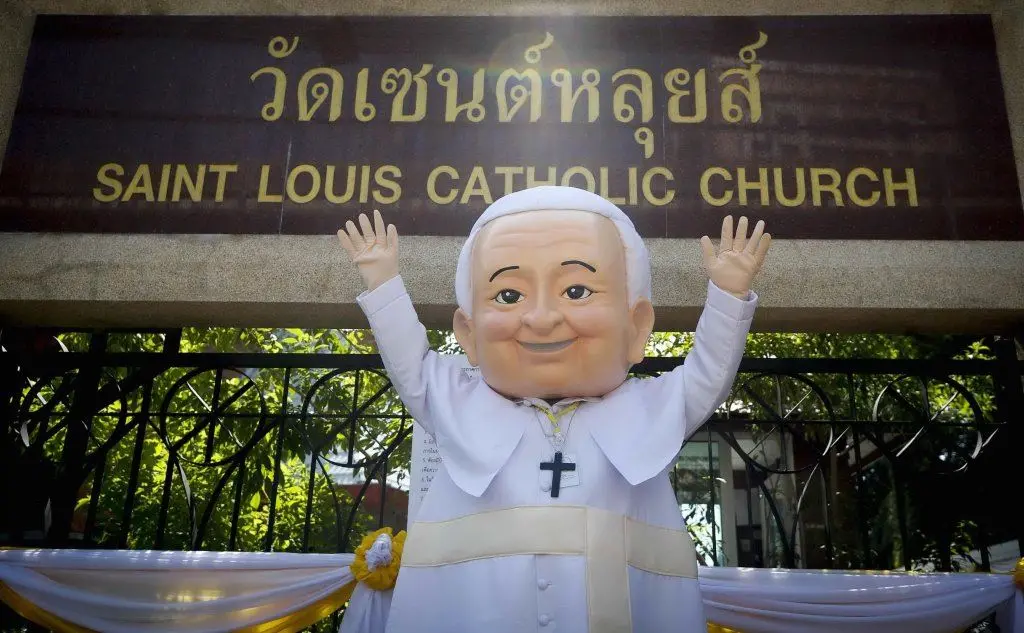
508,296
577,292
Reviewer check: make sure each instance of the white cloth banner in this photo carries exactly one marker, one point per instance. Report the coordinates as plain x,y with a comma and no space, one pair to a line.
806,601
156,592
164,592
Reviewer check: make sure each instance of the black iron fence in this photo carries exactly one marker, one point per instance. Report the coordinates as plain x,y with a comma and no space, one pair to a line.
811,463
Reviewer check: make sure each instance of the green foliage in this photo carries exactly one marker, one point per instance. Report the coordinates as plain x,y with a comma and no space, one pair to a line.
234,456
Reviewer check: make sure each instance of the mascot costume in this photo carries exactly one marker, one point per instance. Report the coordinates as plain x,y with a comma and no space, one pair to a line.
553,510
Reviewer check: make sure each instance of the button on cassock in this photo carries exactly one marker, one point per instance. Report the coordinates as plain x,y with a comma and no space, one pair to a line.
545,620
543,584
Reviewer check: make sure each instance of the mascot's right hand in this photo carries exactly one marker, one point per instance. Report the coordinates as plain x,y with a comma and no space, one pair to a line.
373,249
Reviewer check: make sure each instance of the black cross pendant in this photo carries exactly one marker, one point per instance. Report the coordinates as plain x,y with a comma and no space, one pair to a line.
557,467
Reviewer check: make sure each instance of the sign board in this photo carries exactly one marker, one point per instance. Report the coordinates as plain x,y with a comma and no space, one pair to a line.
843,127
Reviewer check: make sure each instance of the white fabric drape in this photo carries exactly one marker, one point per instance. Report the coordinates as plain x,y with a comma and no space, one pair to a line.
804,601
164,592
367,611
194,592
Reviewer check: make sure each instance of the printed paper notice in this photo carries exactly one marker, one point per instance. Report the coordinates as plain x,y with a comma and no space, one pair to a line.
426,460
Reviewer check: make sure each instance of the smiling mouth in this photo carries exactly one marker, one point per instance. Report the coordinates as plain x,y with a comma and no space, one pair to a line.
546,347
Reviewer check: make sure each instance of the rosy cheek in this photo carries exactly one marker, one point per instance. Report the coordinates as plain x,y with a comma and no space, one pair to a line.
593,320
494,325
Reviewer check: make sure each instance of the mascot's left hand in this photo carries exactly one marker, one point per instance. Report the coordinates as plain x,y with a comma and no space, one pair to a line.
738,259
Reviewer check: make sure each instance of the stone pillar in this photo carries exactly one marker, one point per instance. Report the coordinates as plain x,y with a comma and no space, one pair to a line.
1008,22
15,33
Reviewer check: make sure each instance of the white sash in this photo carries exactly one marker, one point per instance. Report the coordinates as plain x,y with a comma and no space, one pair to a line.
610,543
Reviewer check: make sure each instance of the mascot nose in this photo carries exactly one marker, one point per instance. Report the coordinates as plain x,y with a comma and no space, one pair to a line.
543,317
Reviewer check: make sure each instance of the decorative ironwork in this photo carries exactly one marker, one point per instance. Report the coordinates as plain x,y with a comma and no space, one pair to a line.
304,452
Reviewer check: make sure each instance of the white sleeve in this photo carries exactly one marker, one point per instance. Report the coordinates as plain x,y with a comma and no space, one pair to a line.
419,375
703,382
647,421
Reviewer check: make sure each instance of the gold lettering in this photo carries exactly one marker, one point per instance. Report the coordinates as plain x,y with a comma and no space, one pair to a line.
365,111
432,184
350,185
383,181
104,178
677,81
183,179
165,181
780,189
272,109
748,86
705,186
222,172
320,91
531,179
851,187
761,184
589,80
604,187
509,173
477,186
141,183
632,185
474,108
817,186
642,88
518,94
314,185
263,196
399,82
581,171
649,195
909,185
364,184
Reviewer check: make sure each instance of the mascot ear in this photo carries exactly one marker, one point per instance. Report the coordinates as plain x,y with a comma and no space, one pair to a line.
463,326
641,324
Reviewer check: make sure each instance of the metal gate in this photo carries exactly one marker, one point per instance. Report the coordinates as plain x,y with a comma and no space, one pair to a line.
818,463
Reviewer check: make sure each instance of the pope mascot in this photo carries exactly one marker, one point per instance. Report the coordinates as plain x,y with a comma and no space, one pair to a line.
553,510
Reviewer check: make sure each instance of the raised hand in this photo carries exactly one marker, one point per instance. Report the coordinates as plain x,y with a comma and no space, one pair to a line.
738,259
374,250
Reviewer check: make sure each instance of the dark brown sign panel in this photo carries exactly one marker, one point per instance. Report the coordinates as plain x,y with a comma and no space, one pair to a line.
876,127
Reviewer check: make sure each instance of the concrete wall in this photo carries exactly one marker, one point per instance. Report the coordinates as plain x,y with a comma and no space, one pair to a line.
15,33
809,285
1008,22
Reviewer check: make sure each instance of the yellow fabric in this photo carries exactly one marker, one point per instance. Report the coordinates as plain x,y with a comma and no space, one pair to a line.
305,616
532,530
32,613
608,541
545,530
555,418
608,606
381,578
295,621
657,550
1018,574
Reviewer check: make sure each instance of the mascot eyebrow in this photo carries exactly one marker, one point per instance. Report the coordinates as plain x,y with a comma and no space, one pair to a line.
584,264
565,263
501,270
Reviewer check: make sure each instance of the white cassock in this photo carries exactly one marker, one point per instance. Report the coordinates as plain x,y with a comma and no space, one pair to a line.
606,554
